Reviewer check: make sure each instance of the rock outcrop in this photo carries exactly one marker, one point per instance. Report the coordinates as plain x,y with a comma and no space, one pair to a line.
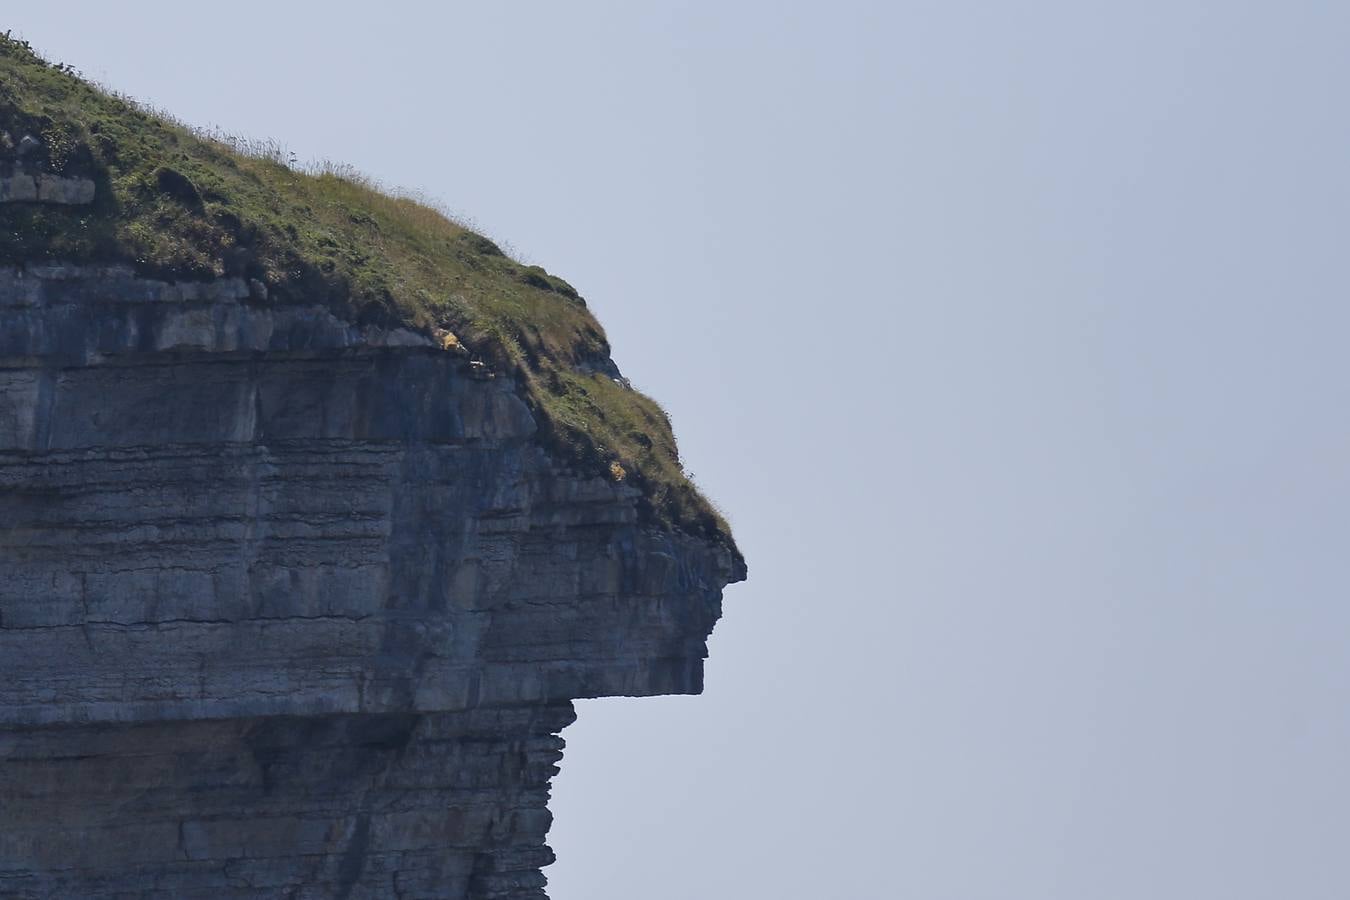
292,607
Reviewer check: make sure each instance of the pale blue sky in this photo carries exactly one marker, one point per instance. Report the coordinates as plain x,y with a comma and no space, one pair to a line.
1010,336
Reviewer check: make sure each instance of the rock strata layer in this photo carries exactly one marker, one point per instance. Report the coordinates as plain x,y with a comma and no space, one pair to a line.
292,607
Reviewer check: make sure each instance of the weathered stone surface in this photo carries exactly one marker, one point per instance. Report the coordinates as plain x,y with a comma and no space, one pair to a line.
290,607
18,188
23,187
381,805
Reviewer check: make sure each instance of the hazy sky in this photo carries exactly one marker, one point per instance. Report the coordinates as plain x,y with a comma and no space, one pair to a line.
1012,339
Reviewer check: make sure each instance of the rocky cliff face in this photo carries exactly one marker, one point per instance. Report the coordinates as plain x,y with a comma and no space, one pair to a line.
292,607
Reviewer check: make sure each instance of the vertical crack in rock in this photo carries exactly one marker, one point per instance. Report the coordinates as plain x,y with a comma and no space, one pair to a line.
291,608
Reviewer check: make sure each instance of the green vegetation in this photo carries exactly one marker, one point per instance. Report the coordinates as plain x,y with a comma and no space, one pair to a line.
181,204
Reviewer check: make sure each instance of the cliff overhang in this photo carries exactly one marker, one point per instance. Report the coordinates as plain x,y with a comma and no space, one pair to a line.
297,586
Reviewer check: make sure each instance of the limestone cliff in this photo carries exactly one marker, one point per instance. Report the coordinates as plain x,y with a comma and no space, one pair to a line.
294,598
292,605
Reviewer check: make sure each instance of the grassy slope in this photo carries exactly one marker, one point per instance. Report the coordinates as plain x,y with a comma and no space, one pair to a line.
180,205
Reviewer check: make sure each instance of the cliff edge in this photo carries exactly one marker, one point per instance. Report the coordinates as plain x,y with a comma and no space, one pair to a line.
302,564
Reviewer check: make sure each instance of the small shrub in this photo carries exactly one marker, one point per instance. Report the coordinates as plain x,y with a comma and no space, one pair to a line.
175,184
536,277
479,244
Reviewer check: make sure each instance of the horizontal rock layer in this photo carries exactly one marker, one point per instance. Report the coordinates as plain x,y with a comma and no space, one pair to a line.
292,605
384,805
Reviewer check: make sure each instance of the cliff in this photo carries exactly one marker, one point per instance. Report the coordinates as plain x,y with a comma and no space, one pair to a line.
294,595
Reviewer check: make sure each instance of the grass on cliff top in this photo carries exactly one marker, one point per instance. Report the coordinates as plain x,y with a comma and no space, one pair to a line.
180,204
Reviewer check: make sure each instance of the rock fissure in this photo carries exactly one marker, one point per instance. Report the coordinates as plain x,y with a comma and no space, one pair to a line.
160,623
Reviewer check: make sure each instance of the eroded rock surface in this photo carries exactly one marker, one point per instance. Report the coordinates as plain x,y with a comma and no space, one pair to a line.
290,607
